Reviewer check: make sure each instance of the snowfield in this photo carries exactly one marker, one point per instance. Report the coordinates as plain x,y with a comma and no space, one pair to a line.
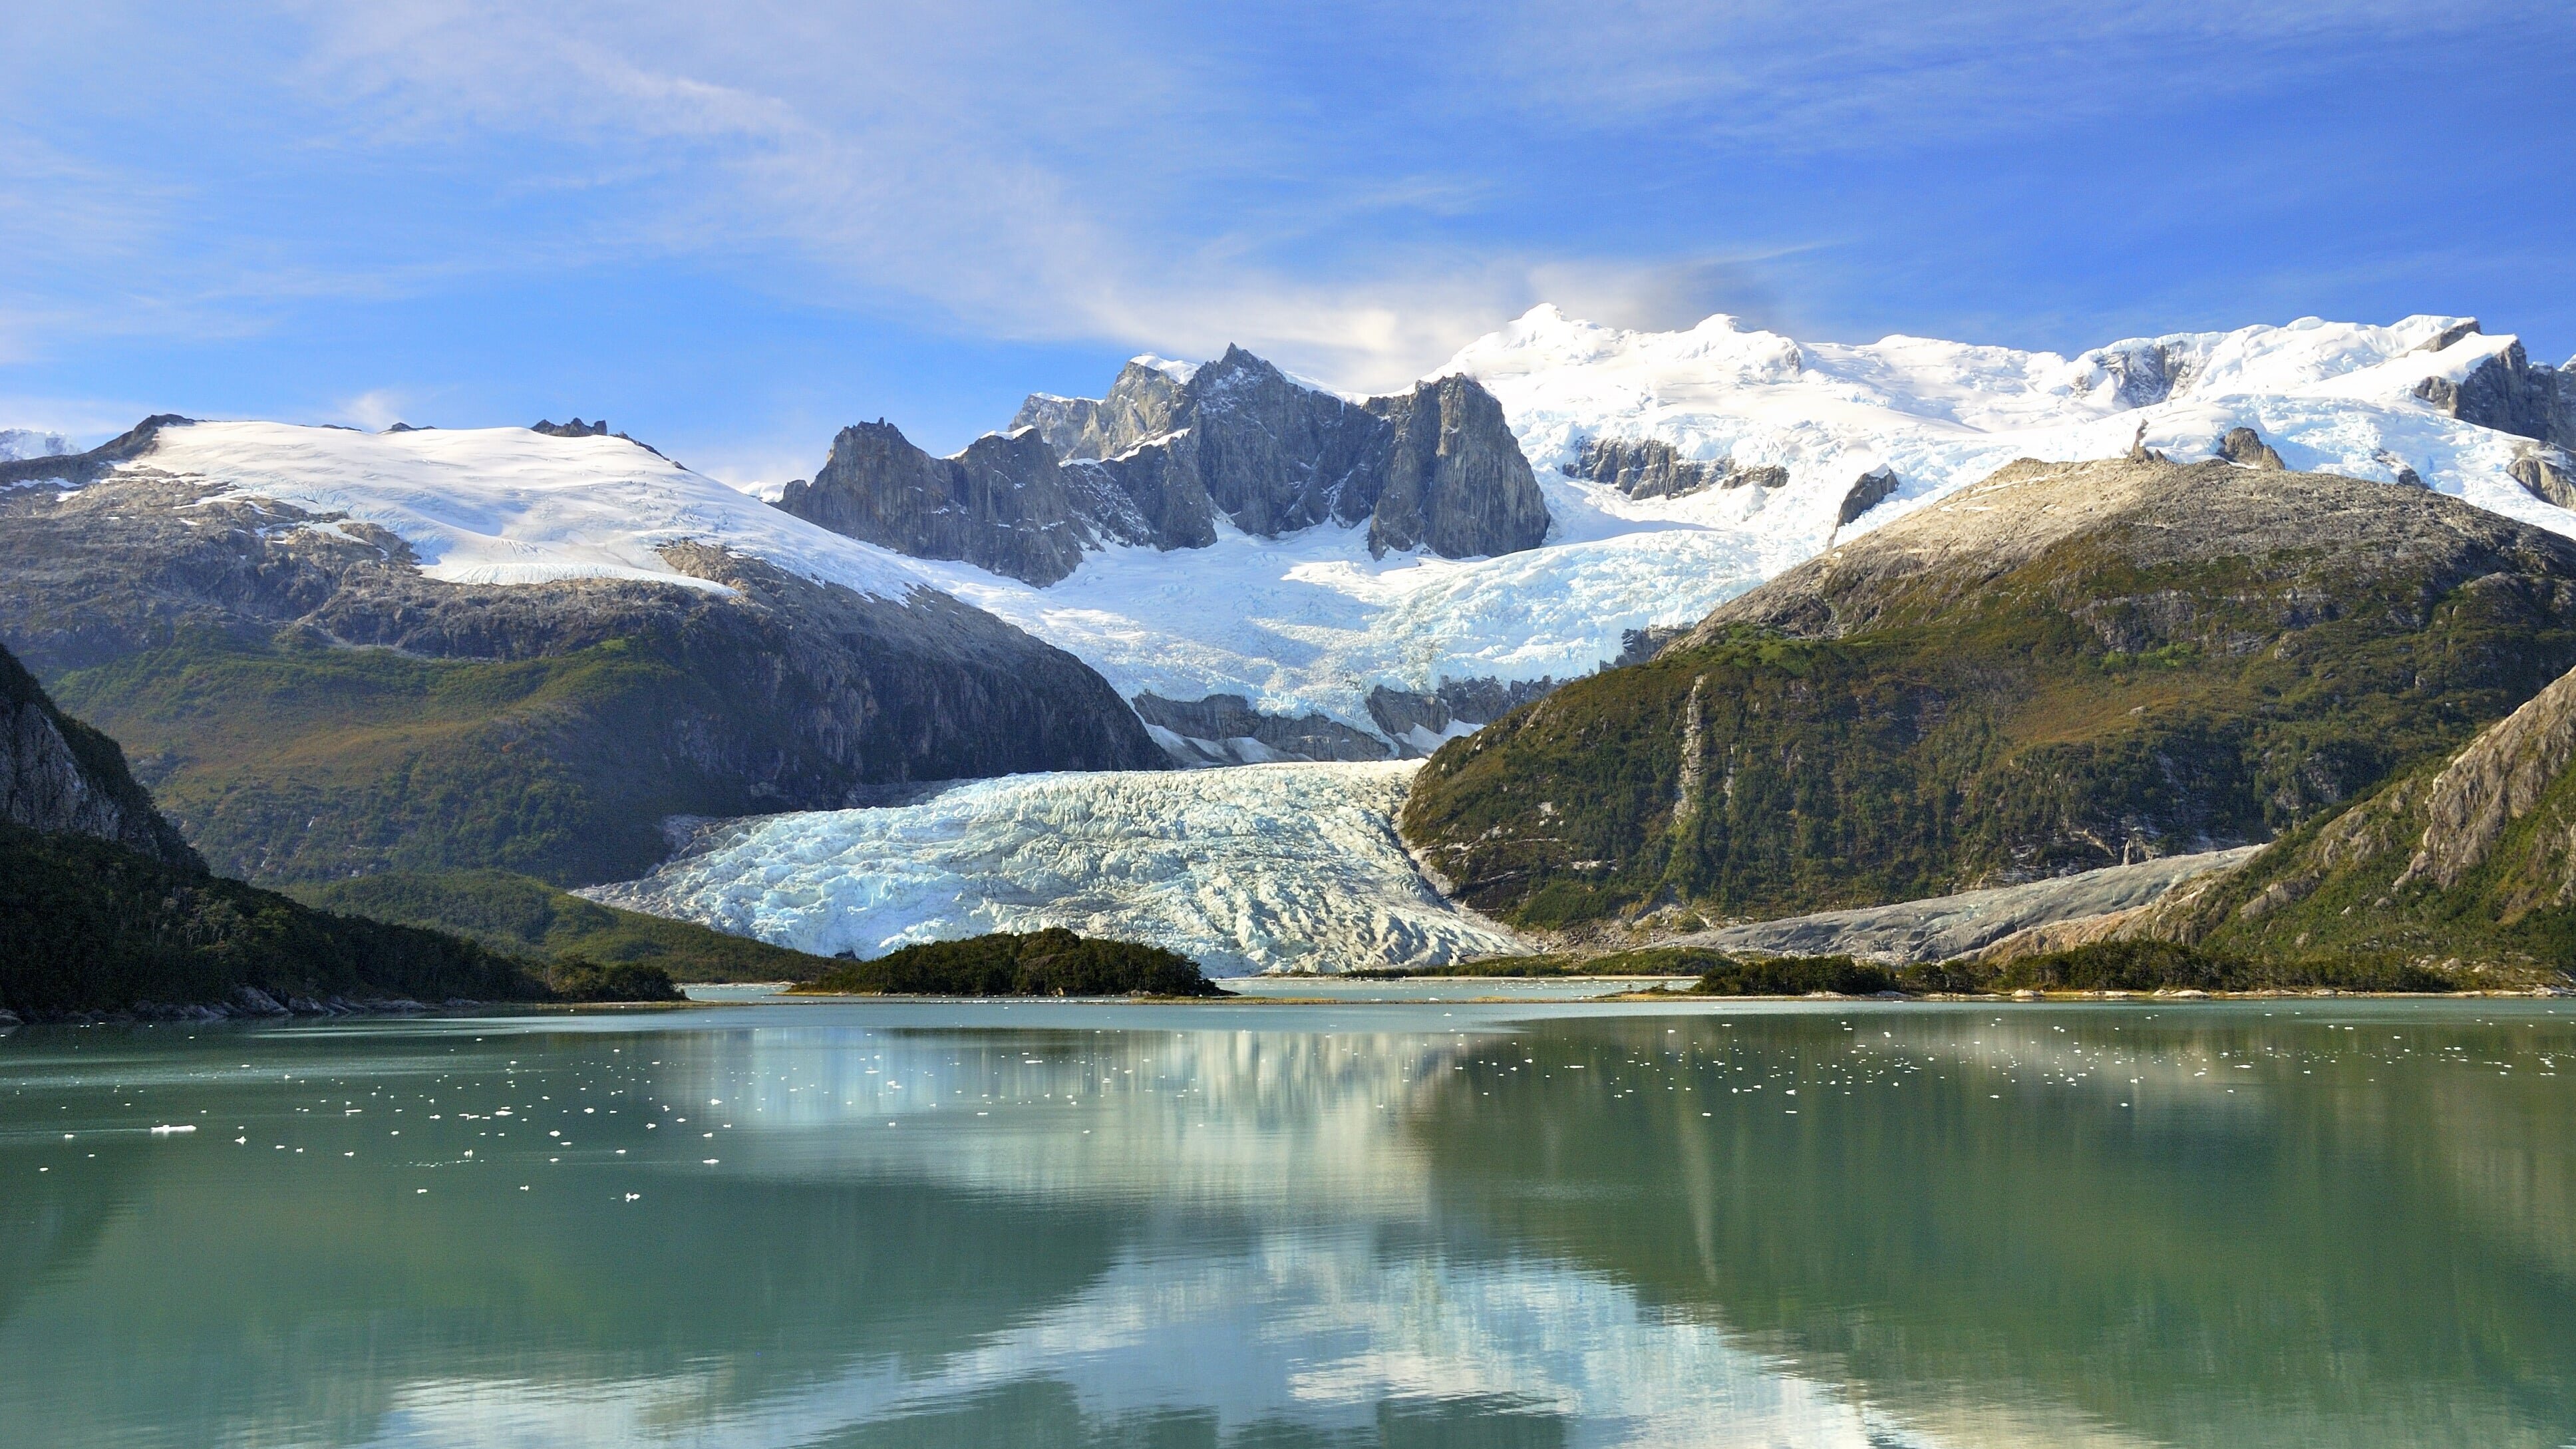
1255,868
515,506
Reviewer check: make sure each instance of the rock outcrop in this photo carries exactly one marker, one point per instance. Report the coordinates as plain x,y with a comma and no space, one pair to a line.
59,776
2511,394
1002,504
1653,468
2246,448
2546,474
1421,722
1224,729
2497,780
2469,865
1868,491
1156,462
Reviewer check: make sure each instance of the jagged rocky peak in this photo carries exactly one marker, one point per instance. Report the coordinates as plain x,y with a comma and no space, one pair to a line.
1455,481
1653,468
1140,405
2246,448
1172,447
1000,504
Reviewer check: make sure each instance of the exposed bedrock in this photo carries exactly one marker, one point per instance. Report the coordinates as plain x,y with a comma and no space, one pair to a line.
2511,394
1160,458
1224,729
59,776
2246,448
1653,468
1868,491
1421,722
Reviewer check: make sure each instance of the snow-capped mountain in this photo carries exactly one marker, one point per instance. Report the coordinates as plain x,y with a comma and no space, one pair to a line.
20,443
605,639
1712,458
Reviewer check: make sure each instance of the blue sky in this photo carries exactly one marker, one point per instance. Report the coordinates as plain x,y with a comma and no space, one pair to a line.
732,229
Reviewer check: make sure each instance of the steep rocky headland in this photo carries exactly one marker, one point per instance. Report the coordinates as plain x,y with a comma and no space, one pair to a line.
2465,861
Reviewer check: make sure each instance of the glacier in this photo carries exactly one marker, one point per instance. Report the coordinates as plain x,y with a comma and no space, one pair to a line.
1281,867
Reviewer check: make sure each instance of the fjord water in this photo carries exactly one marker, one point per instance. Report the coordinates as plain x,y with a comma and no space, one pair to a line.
2320,1222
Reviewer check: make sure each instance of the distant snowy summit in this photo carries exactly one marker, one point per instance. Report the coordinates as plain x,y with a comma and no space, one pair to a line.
1827,433
22,443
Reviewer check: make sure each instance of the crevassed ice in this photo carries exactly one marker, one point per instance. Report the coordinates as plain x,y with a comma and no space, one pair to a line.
1253,868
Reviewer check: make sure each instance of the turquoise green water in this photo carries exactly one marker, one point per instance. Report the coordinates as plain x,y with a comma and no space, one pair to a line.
2321,1223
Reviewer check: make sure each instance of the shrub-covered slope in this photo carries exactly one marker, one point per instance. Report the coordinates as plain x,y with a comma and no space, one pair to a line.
103,909
2469,861
524,916
2065,667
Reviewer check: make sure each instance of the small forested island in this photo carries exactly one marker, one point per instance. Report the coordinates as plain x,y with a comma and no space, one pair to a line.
1051,962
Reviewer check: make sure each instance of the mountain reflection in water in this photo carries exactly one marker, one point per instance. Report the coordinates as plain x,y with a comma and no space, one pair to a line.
918,1224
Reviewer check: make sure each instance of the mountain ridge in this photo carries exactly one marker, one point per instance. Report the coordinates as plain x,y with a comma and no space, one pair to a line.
2131,659
1160,459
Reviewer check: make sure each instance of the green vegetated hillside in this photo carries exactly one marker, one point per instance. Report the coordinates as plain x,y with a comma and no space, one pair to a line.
1051,962
2464,863
86,925
104,908
2065,667
289,763
525,916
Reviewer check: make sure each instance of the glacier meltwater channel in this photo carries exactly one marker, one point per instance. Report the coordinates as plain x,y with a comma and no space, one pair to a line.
1257,868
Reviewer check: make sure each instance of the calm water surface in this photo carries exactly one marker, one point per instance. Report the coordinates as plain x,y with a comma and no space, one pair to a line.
1411,1224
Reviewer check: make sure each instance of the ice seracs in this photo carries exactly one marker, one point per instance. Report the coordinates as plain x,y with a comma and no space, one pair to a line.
1259,868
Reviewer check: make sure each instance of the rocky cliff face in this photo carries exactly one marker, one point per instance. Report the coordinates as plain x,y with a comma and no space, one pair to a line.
1002,504
1156,462
59,776
2511,394
308,704
1653,468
